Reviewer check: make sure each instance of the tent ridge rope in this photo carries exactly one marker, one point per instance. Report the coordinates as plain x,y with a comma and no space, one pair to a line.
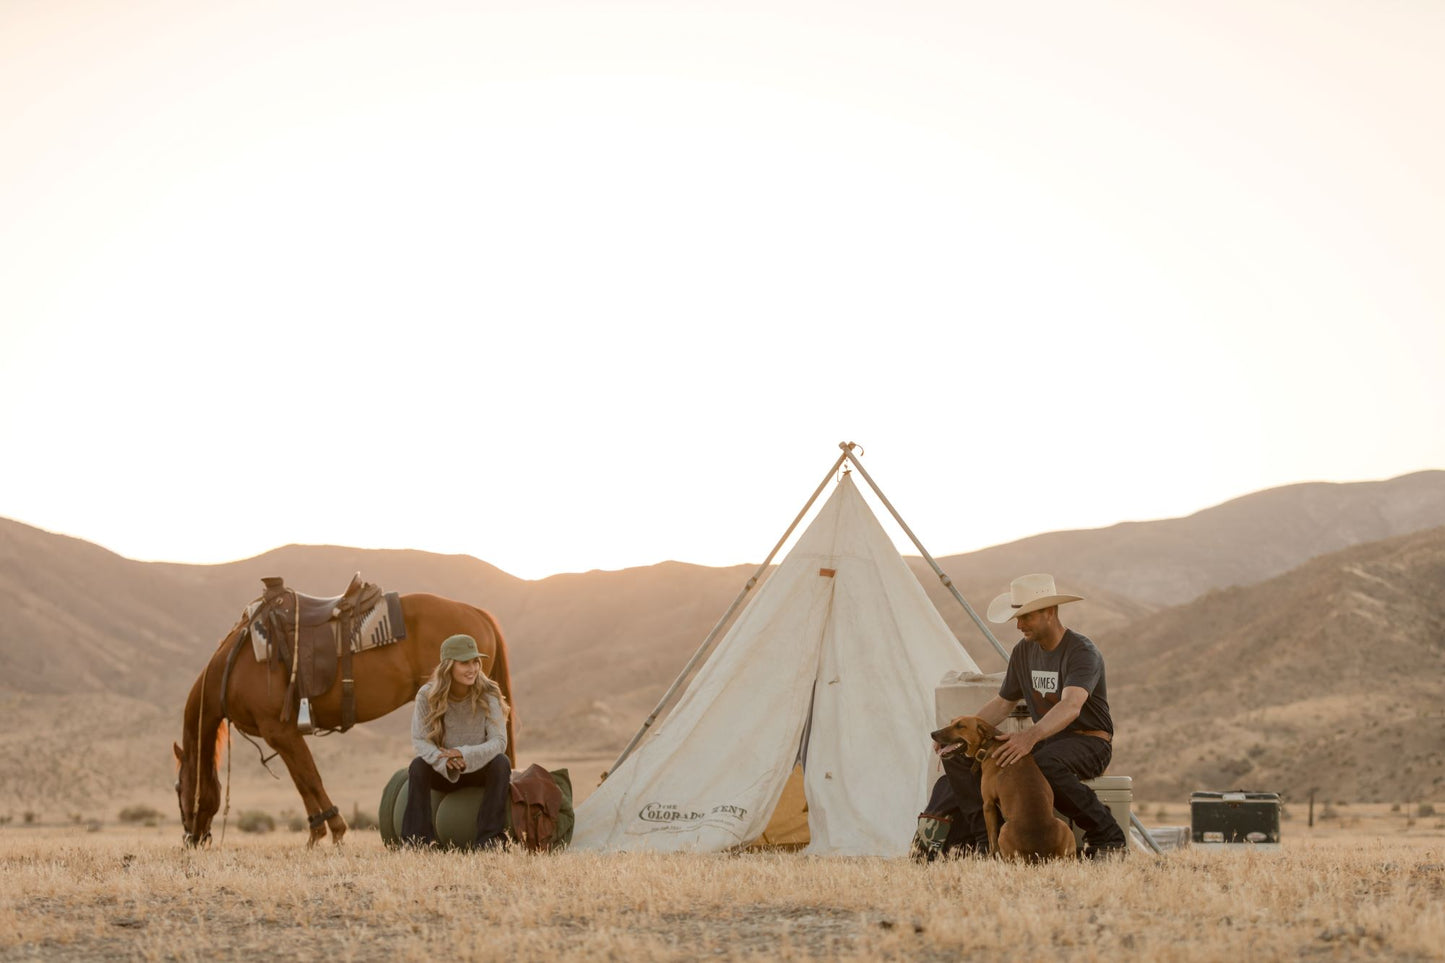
947,582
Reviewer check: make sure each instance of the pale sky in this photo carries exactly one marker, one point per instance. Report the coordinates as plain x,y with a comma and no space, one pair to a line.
591,285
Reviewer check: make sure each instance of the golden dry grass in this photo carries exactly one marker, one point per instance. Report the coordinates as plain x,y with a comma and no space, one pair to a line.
1329,894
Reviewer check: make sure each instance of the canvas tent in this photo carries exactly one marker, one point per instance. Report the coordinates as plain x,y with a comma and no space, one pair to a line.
832,665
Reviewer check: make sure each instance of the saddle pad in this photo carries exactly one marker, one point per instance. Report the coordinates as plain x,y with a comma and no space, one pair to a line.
382,624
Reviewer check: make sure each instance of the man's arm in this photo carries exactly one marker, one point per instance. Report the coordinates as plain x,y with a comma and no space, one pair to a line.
996,710
1016,745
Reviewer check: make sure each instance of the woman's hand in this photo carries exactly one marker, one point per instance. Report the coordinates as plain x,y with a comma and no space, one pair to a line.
454,759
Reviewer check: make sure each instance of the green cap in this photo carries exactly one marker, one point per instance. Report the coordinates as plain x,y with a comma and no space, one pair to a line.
460,648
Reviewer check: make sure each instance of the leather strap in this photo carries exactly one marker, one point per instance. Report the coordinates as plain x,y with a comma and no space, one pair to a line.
1096,733
345,626
318,818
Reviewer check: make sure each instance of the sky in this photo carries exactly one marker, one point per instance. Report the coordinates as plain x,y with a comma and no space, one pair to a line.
580,285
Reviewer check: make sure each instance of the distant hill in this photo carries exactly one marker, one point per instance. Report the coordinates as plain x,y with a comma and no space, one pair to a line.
592,652
1326,677
1239,542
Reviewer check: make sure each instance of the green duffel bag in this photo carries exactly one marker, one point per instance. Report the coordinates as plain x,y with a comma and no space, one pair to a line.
567,818
454,814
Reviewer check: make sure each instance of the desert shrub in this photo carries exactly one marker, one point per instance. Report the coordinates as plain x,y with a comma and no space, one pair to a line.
1425,809
140,814
29,817
361,820
1394,807
1328,812
295,823
255,821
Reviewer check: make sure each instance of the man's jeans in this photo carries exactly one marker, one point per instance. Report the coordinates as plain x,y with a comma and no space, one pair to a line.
1065,760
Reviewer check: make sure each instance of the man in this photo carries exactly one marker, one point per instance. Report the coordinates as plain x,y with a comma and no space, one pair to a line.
1059,675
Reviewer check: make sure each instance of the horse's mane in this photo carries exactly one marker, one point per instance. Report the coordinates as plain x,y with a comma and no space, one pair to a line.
222,739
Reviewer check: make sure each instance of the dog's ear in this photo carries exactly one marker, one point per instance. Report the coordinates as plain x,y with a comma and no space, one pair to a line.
975,736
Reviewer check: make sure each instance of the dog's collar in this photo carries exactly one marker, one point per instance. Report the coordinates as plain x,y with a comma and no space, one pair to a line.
984,748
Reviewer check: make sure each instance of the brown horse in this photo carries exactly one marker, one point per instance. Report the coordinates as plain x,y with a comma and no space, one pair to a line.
386,677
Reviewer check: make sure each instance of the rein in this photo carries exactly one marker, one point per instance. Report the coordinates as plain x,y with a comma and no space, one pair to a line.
200,708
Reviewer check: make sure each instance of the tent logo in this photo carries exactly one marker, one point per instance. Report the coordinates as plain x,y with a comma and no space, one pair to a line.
655,812
666,813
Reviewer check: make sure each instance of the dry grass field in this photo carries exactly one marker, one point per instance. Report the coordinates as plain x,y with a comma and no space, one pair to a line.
1364,887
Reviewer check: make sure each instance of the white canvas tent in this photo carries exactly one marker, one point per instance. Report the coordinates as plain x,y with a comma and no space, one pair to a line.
832,664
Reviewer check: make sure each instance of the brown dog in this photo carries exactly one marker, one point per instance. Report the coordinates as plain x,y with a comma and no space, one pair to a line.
1017,795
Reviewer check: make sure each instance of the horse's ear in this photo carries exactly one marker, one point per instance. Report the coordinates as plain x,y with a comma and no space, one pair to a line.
177,748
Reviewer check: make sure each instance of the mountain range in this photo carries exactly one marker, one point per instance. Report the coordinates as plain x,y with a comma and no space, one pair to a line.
1289,639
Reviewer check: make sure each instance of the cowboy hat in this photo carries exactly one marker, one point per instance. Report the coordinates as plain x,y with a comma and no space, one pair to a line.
1027,593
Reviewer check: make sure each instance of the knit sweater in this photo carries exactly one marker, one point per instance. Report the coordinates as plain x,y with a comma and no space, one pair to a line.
481,736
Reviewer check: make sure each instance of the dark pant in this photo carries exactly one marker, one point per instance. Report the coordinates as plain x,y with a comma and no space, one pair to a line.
494,779
1065,760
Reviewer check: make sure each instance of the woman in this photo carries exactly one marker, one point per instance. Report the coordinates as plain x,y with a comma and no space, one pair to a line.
459,732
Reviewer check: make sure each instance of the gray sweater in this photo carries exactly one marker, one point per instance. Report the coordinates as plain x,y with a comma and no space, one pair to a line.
481,736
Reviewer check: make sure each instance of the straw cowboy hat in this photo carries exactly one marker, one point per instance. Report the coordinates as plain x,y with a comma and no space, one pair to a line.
1027,593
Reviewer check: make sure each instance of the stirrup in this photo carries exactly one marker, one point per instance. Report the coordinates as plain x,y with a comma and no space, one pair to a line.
303,718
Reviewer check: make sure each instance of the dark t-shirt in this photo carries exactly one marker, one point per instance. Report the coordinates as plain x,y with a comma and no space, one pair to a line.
1039,678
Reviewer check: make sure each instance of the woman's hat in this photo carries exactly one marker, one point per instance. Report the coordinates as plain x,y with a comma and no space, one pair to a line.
1027,593
460,648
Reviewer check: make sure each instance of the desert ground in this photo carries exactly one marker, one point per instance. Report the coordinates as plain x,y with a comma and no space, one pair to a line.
1366,883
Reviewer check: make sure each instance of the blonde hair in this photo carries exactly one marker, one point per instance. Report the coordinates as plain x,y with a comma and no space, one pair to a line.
433,720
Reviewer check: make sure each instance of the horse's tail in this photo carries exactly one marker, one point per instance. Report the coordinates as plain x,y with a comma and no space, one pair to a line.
501,672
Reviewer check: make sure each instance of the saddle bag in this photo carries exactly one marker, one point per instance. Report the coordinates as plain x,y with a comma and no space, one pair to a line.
536,808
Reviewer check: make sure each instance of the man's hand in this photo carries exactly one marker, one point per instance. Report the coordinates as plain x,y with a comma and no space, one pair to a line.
1015,745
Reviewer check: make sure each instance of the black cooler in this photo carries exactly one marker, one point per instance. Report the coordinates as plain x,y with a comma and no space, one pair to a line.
1234,819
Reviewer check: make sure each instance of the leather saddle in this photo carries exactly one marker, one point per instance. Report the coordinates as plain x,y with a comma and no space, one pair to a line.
315,637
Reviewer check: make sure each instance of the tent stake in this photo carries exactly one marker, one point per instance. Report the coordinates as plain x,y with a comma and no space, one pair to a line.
947,582
716,629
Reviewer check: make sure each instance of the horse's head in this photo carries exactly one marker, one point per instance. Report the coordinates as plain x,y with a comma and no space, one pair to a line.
197,808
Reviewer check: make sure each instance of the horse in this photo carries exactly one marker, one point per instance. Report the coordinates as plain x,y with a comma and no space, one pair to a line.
386,677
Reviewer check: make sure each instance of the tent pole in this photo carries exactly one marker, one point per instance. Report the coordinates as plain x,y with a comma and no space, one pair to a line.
947,582
716,629
848,454
1144,833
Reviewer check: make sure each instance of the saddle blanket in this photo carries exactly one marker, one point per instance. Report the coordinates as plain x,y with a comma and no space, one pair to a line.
382,624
